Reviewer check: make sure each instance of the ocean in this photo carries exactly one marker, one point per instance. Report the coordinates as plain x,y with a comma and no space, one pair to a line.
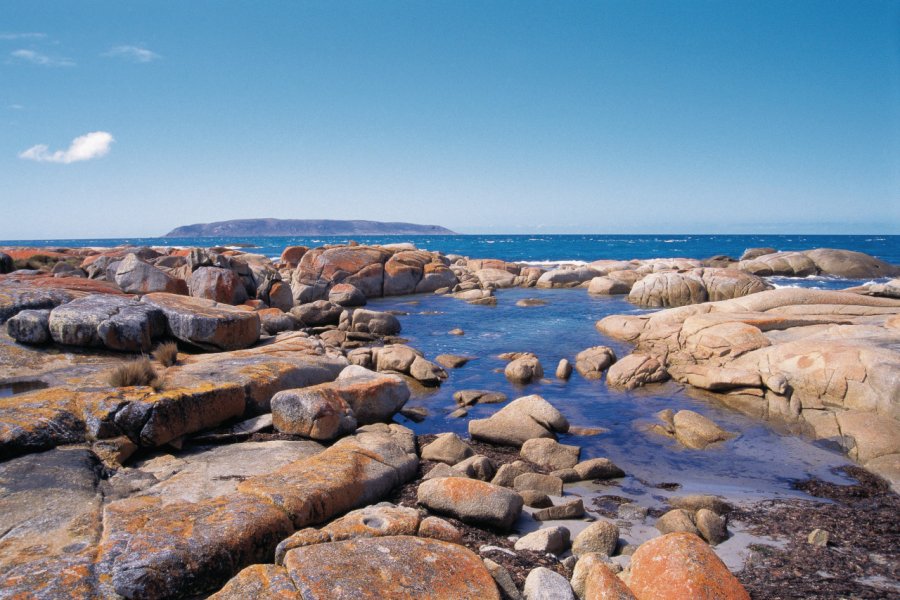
537,247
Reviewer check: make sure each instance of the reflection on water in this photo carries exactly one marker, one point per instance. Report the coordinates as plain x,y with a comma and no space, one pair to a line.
759,463
20,387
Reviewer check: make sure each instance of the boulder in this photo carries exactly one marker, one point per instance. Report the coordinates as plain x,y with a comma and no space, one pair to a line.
206,323
447,448
436,276
850,265
695,431
751,253
598,468
572,509
554,540
6,264
30,327
711,526
322,268
546,484
477,467
505,583
608,286
346,295
544,584
317,314
636,370
789,264
561,278
680,566
563,369
370,321
451,361
401,567
591,363
217,284
600,536
550,454
135,276
318,413
519,421
668,288
104,320
602,584
274,321
675,520
292,255
403,271
507,473
524,369
471,501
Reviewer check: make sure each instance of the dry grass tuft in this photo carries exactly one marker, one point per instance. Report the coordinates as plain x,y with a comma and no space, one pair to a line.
135,372
166,354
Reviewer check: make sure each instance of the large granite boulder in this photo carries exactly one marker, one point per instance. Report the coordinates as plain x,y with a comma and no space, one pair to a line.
591,363
566,277
317,313
217,284
472,501
206,323
103,320
522,419
361,320
850,265
135,276
680,288
6,264
321,268
30,327
681,566
401,567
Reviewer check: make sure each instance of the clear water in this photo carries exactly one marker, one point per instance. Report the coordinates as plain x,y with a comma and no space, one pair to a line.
539,247
759,463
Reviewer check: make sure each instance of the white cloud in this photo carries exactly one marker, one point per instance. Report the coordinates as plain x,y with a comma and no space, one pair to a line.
85,147
133,53
36,58
22,36
16,107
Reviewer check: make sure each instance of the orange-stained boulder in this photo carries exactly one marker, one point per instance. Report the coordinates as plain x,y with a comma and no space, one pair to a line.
215,283
399,567
681,566
206,323
259,582
291,255
602,584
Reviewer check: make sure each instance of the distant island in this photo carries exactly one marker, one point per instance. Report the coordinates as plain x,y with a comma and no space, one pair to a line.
302,227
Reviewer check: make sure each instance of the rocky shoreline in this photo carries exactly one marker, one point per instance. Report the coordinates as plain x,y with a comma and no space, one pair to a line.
232,465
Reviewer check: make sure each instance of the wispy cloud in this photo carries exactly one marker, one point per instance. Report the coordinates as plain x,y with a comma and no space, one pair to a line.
22,36
132,53
15,107
36,58
85,147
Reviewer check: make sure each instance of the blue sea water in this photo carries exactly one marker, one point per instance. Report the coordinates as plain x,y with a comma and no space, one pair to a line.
537,247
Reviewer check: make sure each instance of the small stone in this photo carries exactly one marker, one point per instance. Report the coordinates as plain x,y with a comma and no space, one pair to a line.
456,331
554,540
567,475
818,537
564,369
550,454
711,526
503,579
677,520
447,448
451,361
598,468
632,512
506,474
477,467
536,499
439,529
548,484
600,536
416,414
544,584
573,509
442,470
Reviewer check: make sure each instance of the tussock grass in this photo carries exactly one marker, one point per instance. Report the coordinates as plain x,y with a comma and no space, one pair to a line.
136,372
166,354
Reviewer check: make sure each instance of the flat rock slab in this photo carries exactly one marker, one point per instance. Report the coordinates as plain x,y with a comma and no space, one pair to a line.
206,323
399,567
50,512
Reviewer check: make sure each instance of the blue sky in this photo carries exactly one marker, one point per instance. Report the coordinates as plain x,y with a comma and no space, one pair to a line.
484,116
